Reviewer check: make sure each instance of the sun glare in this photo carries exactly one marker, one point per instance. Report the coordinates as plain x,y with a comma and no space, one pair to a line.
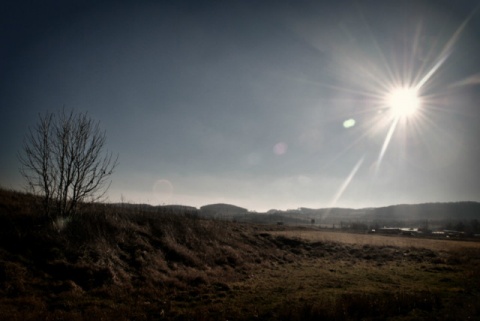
403,102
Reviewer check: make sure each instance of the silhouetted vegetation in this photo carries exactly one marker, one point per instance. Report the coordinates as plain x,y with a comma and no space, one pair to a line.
63,162
135,262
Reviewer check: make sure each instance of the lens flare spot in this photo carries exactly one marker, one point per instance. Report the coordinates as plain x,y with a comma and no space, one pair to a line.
280,148
349,123
163,190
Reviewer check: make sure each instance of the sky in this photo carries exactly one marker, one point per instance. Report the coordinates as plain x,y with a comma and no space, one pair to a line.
261,104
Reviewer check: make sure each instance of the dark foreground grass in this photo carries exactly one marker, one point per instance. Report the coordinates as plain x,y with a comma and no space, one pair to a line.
138,263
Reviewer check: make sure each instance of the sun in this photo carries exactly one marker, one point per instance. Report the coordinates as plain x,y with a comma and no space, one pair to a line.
403,102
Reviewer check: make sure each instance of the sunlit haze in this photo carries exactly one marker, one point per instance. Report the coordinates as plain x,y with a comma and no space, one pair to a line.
260,104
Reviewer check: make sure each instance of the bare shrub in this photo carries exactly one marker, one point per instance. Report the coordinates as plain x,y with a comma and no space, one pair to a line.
63,161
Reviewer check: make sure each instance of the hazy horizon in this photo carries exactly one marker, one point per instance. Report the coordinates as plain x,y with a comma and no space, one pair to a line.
263,105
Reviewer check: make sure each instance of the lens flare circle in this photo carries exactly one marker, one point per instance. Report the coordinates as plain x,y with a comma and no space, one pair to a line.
162,191
280,148
403,102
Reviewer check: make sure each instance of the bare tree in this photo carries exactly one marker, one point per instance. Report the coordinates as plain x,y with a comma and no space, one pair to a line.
63,161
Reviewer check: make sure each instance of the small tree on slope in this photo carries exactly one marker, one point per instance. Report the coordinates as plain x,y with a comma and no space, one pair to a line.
63,161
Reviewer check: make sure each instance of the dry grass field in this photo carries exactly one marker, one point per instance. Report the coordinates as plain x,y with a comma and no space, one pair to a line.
378,240
131,263
344,276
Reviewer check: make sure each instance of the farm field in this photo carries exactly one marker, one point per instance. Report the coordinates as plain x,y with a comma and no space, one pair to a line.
378,240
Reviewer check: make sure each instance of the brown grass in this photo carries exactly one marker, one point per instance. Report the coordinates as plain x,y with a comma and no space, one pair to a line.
135,263
377,240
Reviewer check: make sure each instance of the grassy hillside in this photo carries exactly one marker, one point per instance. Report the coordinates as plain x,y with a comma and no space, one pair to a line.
125,263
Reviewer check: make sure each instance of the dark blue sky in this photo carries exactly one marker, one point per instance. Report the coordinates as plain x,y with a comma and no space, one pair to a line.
263,104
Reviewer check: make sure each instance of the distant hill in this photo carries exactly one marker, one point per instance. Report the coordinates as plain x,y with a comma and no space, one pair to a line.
153,208
455,211
221,210
447,211
427,211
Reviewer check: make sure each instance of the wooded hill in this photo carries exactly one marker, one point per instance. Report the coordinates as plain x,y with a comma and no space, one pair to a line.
432,212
